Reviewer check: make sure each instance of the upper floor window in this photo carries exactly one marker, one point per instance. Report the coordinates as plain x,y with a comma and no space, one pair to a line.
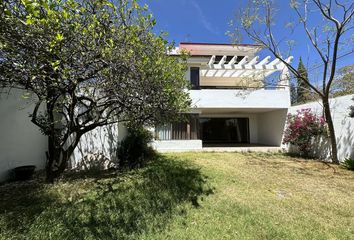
194,77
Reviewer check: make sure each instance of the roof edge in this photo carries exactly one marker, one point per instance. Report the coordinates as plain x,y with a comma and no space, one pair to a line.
221,44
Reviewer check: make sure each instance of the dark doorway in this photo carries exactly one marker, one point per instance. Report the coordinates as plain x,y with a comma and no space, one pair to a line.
224,130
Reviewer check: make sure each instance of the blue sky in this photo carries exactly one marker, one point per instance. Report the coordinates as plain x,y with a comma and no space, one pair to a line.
208,21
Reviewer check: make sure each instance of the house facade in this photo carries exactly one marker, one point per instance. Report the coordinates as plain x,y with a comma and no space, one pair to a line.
232,106
238,99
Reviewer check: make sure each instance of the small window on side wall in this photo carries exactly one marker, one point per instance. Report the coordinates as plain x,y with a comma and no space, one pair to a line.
194,77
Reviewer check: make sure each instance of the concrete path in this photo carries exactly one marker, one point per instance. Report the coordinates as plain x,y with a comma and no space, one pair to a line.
243,149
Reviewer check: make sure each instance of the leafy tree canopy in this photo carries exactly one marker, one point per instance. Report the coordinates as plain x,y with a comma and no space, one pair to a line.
87,64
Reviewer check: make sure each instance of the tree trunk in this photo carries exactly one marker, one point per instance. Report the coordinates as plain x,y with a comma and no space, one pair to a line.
56,165
57,156
57,161
332,134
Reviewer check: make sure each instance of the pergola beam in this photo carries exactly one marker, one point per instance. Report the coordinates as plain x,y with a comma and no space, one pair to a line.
212,60
243,68
253,61
264,62
243,61
222,61
232,61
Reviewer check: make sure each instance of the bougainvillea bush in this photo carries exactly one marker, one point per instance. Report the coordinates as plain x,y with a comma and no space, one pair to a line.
301,129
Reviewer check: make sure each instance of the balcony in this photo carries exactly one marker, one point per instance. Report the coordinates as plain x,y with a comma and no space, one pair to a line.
224,83
278,98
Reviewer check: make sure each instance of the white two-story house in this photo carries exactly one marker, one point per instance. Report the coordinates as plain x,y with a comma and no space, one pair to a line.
234,103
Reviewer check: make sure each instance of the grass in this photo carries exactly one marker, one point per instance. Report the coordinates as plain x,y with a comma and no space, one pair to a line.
188,196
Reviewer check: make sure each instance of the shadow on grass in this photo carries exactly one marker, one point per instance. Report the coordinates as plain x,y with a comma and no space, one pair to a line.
106,206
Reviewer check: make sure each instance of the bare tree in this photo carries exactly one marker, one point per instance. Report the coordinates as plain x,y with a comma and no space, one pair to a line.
257,20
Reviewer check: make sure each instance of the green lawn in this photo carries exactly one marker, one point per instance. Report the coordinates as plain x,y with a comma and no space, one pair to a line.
188,196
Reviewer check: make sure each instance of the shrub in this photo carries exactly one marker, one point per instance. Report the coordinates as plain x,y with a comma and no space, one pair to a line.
134,150
348,164
301,128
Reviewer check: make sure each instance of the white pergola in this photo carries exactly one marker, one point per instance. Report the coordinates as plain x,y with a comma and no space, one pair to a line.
246,67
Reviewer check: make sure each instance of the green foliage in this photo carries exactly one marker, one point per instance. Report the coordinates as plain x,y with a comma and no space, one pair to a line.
293,92
88,64
301,128
303,89
348,163
344,83
134,150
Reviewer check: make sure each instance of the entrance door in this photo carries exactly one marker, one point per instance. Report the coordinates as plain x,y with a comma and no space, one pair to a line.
224,130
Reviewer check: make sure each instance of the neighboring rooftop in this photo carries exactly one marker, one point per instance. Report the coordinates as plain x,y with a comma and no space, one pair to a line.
207,49
220,44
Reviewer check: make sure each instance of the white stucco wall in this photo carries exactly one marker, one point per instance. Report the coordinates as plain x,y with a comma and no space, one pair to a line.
343,125
271,127
233,98
21,142
100,145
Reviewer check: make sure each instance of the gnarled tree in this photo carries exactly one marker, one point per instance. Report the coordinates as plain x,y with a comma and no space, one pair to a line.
87,64
328,39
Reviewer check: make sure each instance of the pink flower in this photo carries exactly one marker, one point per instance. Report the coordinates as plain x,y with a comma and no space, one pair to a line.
302,127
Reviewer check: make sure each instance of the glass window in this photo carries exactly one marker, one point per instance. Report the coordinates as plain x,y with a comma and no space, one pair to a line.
224,130
194,77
